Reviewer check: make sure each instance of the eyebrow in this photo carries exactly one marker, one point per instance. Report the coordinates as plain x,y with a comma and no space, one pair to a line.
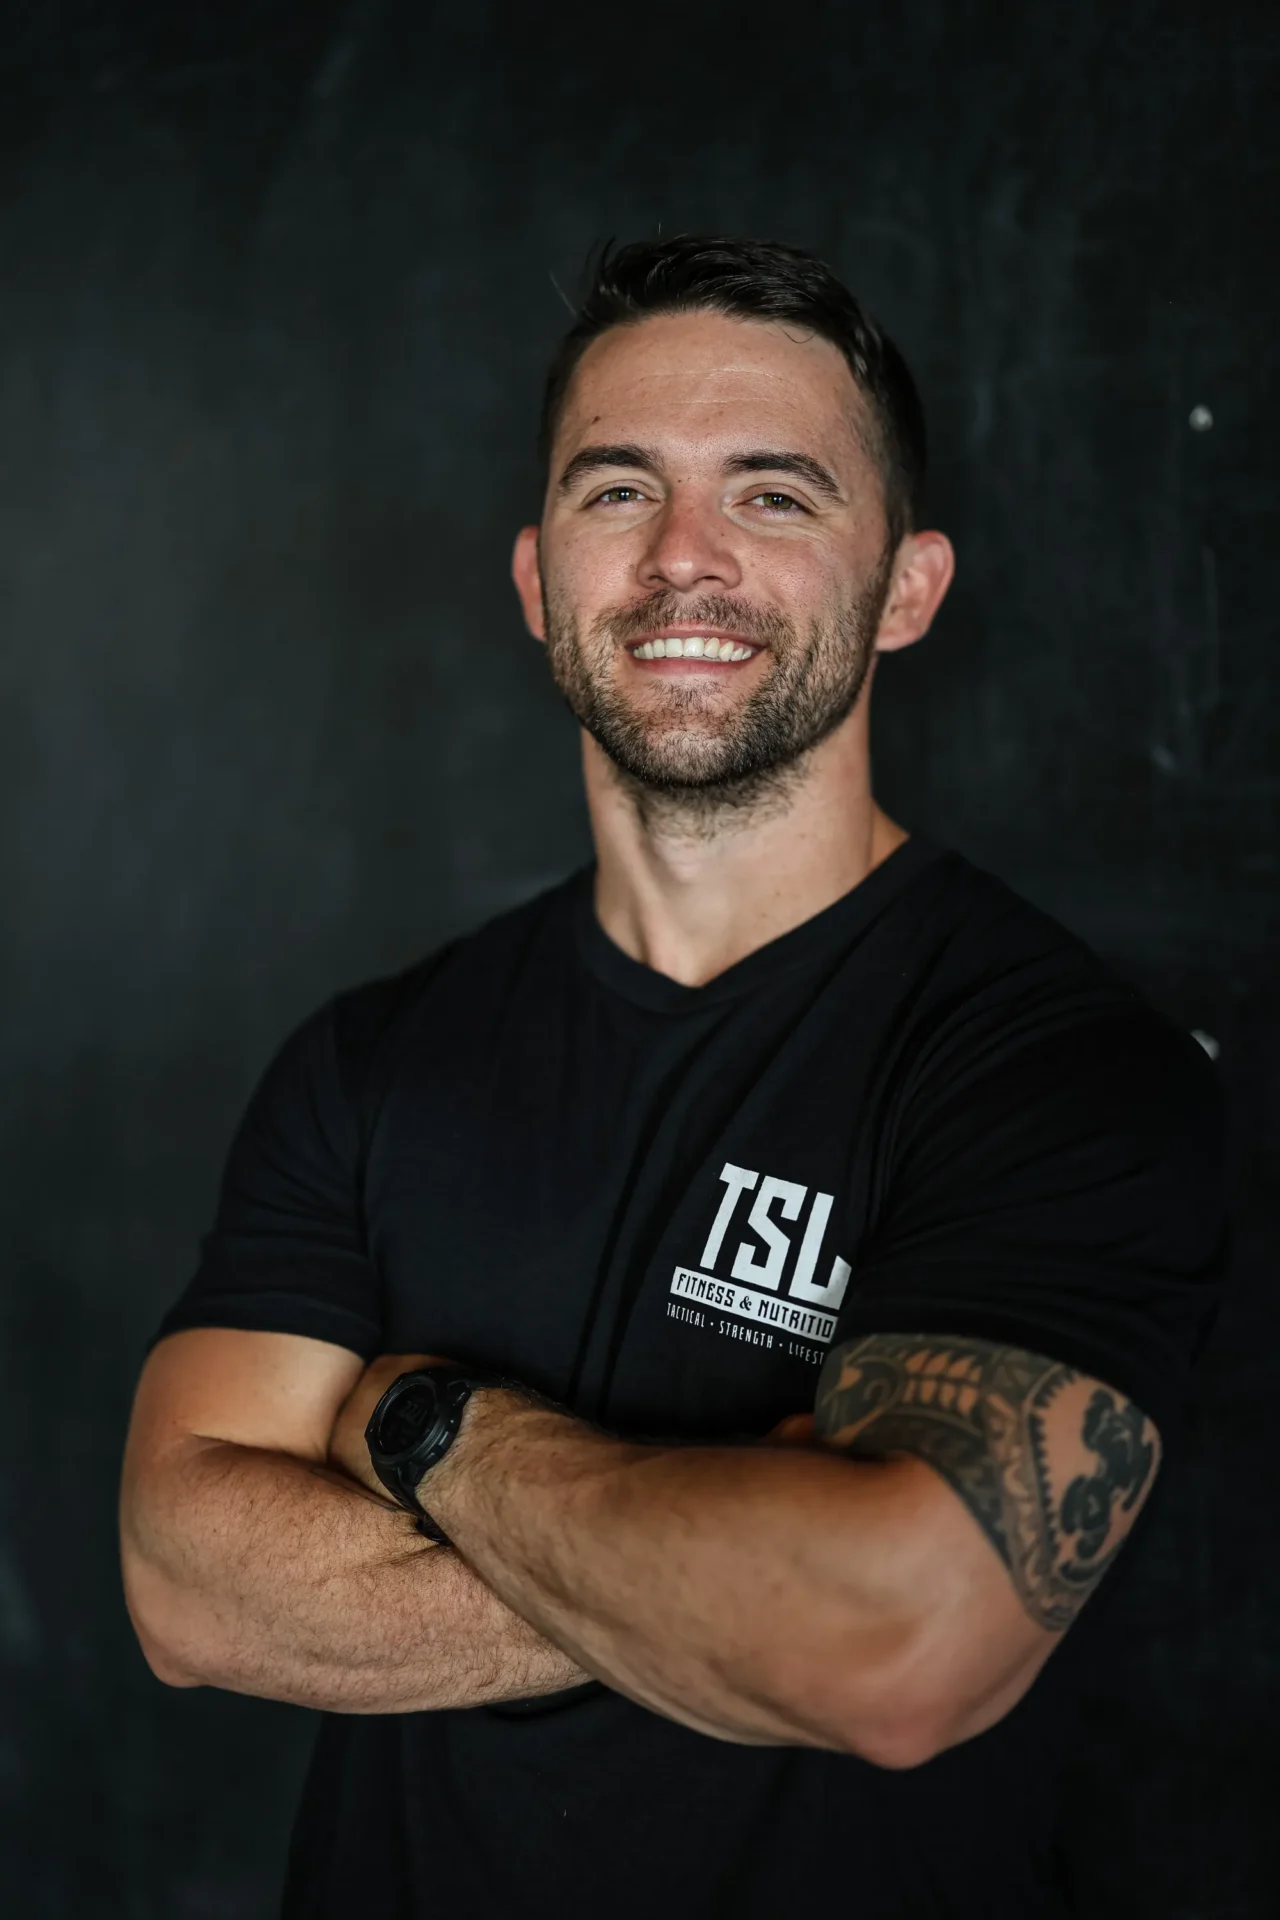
756,460
592,459
802,465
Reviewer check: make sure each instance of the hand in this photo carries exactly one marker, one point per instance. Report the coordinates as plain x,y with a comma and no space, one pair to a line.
795,1431
348,1450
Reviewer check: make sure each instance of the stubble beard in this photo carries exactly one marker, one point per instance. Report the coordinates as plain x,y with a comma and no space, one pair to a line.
688,761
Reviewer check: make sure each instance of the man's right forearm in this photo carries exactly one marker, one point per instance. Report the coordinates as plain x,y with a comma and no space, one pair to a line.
266,1575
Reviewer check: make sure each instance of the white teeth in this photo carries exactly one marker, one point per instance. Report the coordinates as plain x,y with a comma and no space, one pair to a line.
694,648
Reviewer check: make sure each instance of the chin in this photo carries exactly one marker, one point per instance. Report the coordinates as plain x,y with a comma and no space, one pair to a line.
686,762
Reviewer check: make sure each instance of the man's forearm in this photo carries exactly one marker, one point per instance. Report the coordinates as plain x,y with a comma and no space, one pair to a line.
263,1574
743,1591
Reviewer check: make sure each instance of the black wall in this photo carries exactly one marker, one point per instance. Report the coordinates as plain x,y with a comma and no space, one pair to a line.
276,296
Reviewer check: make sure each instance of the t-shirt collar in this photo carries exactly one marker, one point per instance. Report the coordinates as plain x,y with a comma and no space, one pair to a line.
825,932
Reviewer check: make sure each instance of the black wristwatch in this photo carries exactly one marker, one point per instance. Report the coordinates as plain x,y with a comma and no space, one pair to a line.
413,1426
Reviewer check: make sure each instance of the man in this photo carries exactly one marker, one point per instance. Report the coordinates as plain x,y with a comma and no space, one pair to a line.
774,1098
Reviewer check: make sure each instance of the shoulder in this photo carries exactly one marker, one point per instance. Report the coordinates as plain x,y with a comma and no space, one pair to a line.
1035,1079
1053,1172
984,932
1003,983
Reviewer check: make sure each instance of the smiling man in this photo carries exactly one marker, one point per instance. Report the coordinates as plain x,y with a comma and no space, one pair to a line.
669,1370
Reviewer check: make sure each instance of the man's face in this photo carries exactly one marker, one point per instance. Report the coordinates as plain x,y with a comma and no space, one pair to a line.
713,549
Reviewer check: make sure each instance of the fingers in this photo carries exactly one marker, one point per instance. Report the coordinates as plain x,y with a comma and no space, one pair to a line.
795,1431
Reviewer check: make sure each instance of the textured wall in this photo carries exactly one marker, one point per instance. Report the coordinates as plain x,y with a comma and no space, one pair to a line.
276,298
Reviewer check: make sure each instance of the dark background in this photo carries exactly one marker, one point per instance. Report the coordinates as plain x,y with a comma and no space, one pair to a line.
275,304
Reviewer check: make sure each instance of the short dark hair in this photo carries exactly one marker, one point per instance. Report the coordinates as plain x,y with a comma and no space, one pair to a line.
755,280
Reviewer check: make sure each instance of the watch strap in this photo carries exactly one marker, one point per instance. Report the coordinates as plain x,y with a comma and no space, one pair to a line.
453,1386
430,1529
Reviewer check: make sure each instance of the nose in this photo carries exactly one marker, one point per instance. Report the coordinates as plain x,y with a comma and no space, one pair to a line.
690,548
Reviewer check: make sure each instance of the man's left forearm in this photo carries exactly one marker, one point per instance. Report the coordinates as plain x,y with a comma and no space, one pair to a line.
753,1593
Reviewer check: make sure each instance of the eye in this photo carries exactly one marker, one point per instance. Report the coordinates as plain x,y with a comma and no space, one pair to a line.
622,495
777,502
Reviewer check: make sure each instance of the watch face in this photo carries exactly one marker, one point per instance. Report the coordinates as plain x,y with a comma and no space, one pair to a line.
409,1418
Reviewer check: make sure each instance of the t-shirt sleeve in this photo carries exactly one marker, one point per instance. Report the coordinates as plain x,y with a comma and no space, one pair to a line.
1069,1201
286,1252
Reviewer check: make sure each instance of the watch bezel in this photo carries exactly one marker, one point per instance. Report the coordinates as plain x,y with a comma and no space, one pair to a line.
401,1387
401,1473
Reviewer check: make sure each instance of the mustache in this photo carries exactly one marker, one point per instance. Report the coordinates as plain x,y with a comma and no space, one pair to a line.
668,609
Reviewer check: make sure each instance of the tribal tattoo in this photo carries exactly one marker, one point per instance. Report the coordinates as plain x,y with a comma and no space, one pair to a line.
1052,1465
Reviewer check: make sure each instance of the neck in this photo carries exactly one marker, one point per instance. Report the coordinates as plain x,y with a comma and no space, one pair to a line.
692,890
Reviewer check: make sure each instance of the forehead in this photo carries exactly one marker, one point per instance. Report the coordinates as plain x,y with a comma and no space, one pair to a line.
706,379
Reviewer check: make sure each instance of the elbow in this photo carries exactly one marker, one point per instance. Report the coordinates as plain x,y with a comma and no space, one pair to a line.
896,1710
865,1701
164,1665
897,1745
894,1734
912,1729
155,1611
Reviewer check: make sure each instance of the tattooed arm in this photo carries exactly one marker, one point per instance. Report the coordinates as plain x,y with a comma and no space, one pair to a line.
775,1595
1051,1465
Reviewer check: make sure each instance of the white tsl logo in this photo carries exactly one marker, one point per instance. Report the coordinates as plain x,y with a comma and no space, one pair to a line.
811,1301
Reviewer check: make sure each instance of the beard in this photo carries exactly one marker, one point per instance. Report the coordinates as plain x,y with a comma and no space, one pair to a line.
687,751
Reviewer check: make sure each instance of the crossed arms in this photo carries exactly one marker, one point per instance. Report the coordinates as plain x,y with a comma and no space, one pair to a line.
886,1579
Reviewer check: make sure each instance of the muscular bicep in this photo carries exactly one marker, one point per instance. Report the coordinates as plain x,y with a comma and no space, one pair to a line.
1053,1466
275,1391
203,1393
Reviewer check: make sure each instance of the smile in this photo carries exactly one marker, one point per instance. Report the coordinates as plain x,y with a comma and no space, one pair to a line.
696,647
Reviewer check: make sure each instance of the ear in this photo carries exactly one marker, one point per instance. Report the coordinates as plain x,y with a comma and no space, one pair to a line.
922,570
527,575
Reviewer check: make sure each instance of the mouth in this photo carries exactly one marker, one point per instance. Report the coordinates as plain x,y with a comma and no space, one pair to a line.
714,649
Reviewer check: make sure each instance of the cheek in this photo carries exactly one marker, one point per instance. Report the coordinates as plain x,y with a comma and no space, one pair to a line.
606,550
803,583
587,578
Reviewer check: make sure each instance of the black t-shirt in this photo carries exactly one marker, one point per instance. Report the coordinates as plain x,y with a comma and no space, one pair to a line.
927,1109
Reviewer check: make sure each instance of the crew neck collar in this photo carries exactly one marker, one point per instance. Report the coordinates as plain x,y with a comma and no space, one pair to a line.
827,930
